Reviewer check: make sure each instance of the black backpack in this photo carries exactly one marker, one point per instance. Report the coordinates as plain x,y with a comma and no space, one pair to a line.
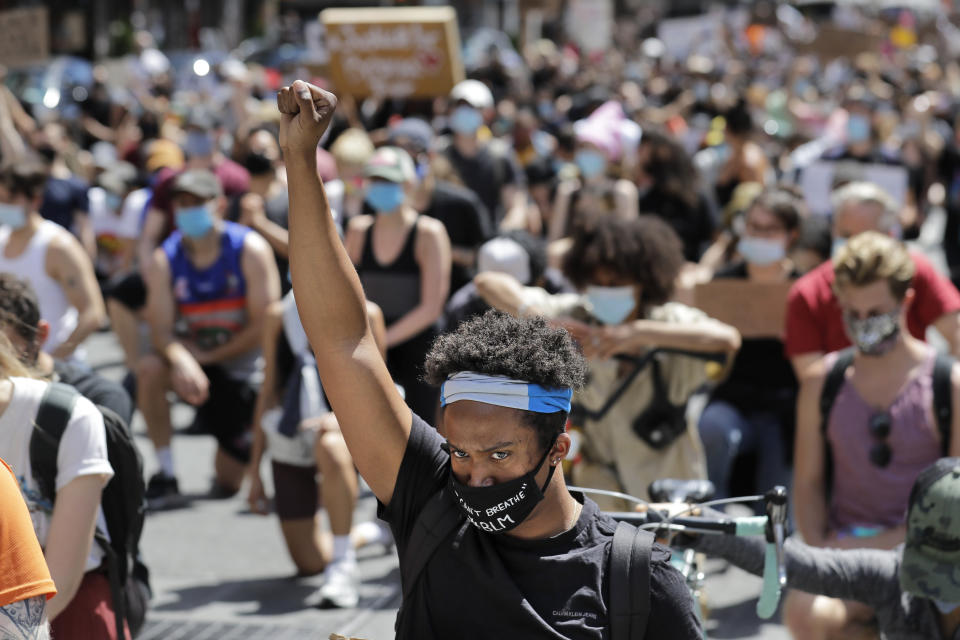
942,401
123,499
629,565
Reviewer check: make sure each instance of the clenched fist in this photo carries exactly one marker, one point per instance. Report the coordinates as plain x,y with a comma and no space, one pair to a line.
306,112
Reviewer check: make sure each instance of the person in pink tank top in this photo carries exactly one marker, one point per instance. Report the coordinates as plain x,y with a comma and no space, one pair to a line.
881,430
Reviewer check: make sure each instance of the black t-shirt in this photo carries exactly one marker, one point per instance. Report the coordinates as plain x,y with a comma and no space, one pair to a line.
62,199
96,388
761,378
495,586
695,225
486,174
466,220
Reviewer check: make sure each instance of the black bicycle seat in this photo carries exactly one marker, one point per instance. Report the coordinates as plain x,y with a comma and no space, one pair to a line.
673,490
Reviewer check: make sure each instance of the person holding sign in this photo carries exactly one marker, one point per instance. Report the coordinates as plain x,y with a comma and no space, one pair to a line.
752,409
530,561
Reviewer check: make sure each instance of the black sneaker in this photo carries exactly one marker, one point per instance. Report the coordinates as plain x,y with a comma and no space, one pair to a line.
163,492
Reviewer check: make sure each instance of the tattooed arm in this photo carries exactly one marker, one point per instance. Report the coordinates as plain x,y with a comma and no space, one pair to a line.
25,620
69,265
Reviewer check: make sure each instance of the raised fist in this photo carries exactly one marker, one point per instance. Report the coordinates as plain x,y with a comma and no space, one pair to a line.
306,112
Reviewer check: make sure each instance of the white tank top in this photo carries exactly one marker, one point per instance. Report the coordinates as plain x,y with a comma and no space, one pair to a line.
31,265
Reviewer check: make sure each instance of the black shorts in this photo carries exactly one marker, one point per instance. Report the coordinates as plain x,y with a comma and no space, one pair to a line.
296,495
128,289
228,412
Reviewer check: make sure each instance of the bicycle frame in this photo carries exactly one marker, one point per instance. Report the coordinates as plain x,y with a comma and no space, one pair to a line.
771,526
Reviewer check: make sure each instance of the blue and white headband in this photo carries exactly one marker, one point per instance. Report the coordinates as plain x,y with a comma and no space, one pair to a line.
504,392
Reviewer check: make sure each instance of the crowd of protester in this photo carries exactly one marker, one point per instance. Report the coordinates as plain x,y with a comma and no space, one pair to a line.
596,191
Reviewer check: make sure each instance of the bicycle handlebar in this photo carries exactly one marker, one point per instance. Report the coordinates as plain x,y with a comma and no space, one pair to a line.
772,526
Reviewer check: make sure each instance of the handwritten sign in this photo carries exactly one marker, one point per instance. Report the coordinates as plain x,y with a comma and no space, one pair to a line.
393,51
589,23
836,42
819,180
24,36
756,309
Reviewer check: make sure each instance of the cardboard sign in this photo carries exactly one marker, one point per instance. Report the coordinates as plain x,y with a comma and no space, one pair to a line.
819,179
756,309
393,52
836,42
24,36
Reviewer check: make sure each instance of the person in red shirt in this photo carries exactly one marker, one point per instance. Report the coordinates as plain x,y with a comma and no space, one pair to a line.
814,325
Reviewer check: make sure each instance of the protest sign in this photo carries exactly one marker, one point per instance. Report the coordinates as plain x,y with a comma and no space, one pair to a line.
393,51
683,36
837,42
818,180
589,23
24,36
755,309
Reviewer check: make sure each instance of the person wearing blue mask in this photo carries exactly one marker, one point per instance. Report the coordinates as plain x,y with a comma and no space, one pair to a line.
625,270
487,167
208,288
50,259
460,210
598,187
403,260
752,409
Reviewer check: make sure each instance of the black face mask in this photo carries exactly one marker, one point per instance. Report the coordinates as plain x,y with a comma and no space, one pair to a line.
257,164
503,506
47,152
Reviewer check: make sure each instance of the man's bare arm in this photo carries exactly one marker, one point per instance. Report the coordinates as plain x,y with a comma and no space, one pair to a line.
71,268
373,418
25,620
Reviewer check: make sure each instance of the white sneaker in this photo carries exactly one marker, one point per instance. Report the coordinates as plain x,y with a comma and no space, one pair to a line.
339,590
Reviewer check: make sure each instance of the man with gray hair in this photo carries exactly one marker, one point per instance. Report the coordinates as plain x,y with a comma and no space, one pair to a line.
814,324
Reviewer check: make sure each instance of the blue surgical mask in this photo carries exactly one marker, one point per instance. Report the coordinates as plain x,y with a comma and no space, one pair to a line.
761,251
590,162
838,243
195,222
611,305
113,201
12,215
384,197
858,128
465,120
946,608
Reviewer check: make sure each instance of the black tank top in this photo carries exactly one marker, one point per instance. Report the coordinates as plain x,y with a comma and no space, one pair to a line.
395,286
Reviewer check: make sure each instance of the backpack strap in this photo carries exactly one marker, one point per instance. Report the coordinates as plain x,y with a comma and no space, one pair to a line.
630,582
832,384
436,521
943,398
53,415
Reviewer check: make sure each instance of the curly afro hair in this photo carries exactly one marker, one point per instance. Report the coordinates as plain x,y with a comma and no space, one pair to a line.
645,250
527,349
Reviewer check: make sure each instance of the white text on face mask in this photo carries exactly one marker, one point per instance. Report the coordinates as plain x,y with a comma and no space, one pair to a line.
506,503
489,527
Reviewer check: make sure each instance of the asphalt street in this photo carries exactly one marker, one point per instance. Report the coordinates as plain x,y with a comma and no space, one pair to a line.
220,572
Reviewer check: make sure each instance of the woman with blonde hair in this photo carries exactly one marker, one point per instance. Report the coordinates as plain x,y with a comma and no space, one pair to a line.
82,607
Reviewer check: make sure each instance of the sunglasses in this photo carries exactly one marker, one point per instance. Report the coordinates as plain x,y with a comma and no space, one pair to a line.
880,453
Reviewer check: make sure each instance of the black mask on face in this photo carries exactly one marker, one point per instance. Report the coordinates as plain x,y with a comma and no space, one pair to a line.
47,152
257,164
503,506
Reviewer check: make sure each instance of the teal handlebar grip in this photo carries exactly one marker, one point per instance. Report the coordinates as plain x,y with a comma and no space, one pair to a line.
770,596
751,526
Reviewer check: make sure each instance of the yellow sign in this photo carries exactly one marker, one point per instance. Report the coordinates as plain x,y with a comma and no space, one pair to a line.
24,36
393,51
756,309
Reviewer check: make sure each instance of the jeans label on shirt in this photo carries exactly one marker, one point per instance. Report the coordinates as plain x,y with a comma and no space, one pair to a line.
566,613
